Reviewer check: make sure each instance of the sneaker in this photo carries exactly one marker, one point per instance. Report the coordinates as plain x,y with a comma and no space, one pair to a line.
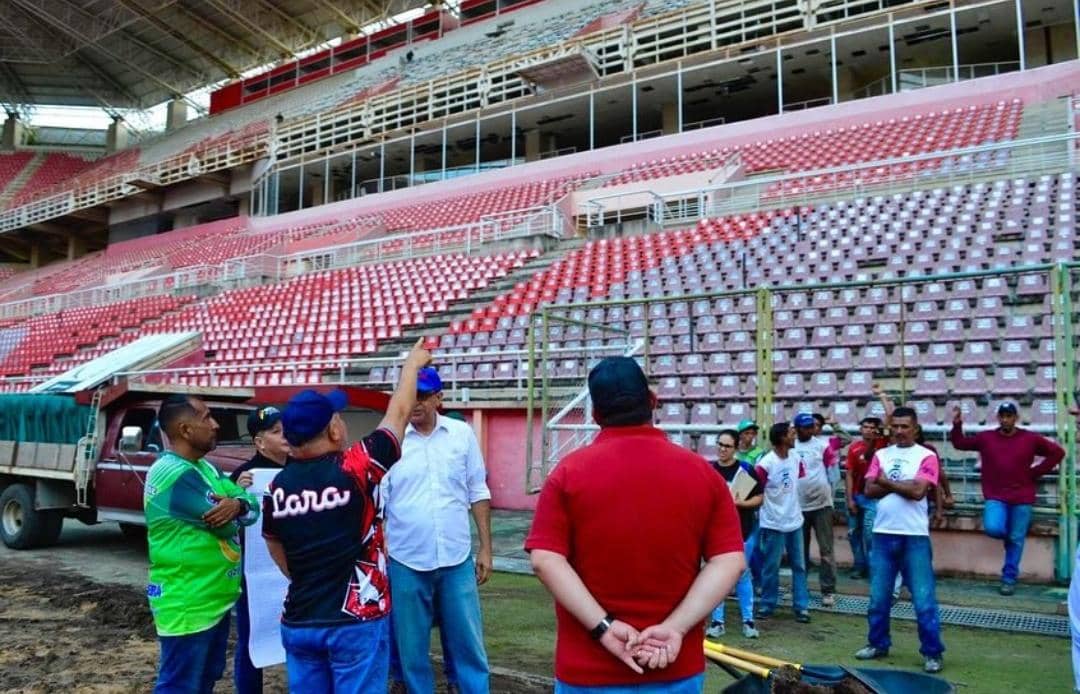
1006,589
802,617
715,631
871,653
748,631
828,600
933,665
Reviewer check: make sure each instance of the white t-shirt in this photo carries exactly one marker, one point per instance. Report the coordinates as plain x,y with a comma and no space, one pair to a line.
896,514
815,490
780,511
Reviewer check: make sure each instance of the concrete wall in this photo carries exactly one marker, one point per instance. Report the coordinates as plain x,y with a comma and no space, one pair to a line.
960,550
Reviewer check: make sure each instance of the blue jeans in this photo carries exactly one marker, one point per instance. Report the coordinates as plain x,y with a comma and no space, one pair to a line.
1008,522
395,661
446,597
744,589
860,533
773,544
688,685
342,659
912,557
191,664
247,678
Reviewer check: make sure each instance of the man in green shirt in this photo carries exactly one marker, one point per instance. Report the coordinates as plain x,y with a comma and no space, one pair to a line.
193,514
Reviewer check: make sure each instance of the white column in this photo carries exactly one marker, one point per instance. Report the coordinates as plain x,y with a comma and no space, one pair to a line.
1020,33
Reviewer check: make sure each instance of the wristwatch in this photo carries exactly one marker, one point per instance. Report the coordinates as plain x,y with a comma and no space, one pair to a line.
245,508
600,629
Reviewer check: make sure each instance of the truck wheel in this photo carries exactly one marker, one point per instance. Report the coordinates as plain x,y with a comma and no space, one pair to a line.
23,527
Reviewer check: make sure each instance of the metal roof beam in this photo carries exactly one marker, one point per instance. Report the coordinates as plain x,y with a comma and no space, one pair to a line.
213,28
229,9
348,23
311,36
50,12
179,36
131,64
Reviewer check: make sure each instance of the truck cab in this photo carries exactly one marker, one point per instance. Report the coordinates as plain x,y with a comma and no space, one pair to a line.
133,441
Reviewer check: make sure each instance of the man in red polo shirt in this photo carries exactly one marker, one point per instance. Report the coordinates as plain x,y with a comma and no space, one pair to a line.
621,529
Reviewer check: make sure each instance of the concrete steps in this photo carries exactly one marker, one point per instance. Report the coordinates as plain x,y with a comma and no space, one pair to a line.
436,324
16,184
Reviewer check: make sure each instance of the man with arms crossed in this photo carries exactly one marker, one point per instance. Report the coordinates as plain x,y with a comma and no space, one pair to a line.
193,515
619,536
430,493
899,477
322,520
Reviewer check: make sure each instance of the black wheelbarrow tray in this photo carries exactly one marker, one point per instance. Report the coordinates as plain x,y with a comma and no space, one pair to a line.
765,675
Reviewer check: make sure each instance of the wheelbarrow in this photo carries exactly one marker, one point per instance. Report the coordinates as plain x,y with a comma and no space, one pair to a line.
759,674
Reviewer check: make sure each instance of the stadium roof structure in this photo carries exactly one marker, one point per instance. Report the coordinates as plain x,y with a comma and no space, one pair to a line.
135,54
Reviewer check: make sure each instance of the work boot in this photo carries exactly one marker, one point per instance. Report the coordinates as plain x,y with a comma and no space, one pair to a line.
933,665
871,653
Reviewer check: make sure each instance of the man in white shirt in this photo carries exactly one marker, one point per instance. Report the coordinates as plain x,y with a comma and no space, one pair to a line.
430,493
781,521
899,477
816,500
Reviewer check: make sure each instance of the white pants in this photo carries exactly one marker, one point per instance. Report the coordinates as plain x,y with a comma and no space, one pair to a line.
1074,619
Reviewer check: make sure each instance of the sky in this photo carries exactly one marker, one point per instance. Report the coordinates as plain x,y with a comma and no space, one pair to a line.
153,119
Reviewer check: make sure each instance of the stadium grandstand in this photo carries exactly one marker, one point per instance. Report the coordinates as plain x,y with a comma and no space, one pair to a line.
773,204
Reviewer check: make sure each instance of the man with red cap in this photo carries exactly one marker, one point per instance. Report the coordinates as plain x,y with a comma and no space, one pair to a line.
323,527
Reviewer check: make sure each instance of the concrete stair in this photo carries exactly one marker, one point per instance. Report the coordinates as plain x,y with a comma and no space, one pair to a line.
16,184
439,323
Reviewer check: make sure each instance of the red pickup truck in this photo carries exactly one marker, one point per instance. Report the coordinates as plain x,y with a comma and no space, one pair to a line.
86,455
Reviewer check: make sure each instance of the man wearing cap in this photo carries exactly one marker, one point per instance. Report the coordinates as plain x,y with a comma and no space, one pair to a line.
271,450
1009,474
748,451
323,528
430,493
637,539
816,500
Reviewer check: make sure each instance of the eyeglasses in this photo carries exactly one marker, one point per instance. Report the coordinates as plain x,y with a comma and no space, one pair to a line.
725,445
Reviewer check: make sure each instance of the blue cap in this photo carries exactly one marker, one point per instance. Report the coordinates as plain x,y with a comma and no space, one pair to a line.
804,419
262,419
308,413
428,381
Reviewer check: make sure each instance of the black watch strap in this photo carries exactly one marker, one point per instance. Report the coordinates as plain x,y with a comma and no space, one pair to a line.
601,628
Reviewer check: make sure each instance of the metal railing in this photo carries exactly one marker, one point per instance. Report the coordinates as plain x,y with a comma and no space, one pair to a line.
908,79
757,388
997,161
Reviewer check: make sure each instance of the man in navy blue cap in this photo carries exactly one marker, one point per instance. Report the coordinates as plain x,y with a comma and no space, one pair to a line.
323,528
430,495
637,539
271,450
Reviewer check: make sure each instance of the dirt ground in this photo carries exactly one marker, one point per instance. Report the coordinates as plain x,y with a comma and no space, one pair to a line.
63,631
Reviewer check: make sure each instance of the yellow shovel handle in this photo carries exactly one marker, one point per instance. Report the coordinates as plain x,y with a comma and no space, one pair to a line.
752,657
738,663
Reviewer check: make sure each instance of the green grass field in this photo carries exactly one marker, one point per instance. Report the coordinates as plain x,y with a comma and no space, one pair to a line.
519,629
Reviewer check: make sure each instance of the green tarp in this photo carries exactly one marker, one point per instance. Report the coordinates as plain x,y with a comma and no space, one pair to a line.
42,418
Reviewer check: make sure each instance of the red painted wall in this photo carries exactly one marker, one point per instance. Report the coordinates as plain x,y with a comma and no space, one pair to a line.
502,439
